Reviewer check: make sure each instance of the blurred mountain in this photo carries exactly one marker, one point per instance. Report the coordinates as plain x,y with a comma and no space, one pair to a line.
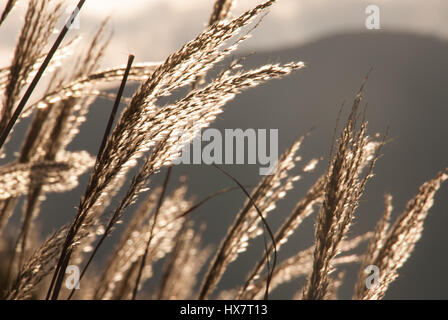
406,91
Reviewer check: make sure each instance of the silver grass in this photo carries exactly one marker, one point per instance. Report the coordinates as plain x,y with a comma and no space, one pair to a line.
52,130
301,265
221,10
270,189
88,85
140,216
41,263
303,209
132,246
344,185
392,246
59,57
55,176
184,264
40,20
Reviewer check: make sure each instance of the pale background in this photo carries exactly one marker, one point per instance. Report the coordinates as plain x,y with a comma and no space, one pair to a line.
151,29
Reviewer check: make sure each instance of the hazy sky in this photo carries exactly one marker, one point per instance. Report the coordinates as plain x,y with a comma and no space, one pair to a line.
151,29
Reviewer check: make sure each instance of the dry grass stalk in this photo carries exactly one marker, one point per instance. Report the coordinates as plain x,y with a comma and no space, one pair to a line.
40,19
182,268
392,246
114,283
301,265
303,209
344,185
221,10
51,131
37,267
139,218
246,225
87,85
60,55
56,128
54,176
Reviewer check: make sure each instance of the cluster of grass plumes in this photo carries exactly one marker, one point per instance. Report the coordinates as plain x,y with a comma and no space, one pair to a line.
147,137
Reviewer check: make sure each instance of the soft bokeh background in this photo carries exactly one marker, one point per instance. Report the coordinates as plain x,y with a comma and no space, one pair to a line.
407,91
151,29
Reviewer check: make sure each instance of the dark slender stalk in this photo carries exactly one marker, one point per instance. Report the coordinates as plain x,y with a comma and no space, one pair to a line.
21,240
9,6
115,108
98,158
156,213
40,72
58,277
204,200
179,245
265,227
